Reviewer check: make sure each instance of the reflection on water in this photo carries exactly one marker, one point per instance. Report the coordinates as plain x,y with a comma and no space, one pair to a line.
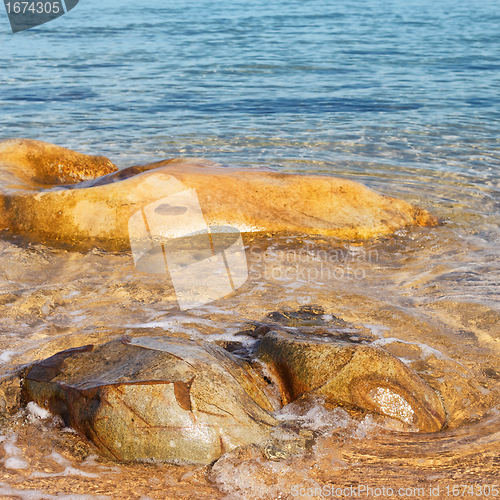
367,86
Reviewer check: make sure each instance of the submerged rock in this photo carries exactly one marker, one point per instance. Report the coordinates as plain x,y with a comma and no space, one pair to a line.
283,445
354,376
165,399
39,198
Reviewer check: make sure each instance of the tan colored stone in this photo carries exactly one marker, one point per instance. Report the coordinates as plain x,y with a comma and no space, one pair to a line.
183,401
40,163
355,376
96,213
165,399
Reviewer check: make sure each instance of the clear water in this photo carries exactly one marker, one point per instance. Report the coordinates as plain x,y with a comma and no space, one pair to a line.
402,96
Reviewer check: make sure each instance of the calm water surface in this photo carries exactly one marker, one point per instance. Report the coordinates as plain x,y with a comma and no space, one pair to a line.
402,96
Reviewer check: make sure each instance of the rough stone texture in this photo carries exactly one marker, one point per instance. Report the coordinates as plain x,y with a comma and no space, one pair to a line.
355,376
183,401
166,399
96,213
10,394
285,447
36,162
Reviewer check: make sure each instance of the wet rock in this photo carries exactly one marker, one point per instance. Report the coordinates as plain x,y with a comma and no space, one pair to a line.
97,212
183,401
283,445
154,398
306,316
354,376
35,162
10,394
10,391
311,320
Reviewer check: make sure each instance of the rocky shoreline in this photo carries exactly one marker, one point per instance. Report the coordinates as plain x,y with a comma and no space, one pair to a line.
349,389
60,197
189,402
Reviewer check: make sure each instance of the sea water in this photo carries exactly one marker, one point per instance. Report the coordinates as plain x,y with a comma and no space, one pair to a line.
401,96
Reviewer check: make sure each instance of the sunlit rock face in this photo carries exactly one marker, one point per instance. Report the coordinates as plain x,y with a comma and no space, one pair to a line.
183,401
166,399
355,376
57,196
29,164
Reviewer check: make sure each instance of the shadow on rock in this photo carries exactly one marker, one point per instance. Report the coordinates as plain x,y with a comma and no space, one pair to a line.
182,401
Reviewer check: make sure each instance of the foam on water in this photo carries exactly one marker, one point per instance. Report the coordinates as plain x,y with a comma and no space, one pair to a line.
13,455
317,418
6,356
425,350
68,471
6,490
36,411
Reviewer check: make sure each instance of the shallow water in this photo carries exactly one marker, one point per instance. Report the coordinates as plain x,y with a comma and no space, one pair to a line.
400,96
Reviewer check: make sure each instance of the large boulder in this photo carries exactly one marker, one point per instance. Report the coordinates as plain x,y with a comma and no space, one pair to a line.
41,196
183,401
353,376
165,399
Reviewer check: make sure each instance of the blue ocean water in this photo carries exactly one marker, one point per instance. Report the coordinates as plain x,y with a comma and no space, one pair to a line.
413,83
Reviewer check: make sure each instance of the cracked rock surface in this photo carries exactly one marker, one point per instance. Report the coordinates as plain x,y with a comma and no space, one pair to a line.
165,399
185,401
353,376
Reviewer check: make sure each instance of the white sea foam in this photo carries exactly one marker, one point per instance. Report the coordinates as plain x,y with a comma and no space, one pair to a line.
227,336
244,480
37,411
6,356
210,309
317,418
13,454
6,490
424,348
174,322
68,471
16,463
90,461
59,459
